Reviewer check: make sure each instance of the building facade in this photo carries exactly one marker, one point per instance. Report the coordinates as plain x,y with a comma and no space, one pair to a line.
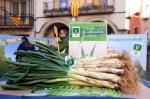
57,12
37,17
22,13
121,16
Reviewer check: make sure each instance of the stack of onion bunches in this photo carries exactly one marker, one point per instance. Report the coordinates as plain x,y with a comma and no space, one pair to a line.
48,68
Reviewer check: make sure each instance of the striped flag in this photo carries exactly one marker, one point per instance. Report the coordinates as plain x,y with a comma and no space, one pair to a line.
78,6
96,2
15,20
75,4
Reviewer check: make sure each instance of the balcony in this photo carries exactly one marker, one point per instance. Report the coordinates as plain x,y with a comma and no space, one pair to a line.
104,7
25,22
11,8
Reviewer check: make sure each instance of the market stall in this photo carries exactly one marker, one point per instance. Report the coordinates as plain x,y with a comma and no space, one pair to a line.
48,72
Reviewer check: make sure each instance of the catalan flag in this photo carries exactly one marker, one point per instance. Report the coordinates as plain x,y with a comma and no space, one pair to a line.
75,4
15,20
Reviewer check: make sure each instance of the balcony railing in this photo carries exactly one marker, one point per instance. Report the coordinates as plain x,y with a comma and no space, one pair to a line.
24,22
104,6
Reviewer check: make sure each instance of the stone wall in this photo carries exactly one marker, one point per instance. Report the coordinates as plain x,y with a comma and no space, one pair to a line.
29,32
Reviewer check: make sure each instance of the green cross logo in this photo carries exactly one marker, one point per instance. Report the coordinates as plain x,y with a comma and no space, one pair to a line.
137,47
76,29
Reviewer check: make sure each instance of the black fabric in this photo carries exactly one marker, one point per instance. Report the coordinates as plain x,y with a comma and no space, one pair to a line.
24,46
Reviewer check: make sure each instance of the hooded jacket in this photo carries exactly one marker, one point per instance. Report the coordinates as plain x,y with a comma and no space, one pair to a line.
26,45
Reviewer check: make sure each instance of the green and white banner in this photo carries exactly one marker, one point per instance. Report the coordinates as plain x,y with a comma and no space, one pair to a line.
136,45
87,39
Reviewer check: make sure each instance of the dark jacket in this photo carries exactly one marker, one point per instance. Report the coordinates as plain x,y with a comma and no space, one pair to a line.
25,46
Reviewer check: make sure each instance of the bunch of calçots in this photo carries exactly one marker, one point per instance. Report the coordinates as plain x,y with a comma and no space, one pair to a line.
48,69
36,68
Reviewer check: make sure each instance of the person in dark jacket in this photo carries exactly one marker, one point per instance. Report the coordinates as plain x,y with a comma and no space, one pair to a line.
25,45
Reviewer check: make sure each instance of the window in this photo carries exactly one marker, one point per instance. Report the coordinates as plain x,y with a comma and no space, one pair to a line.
19,8
23,8
16,8
136,30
